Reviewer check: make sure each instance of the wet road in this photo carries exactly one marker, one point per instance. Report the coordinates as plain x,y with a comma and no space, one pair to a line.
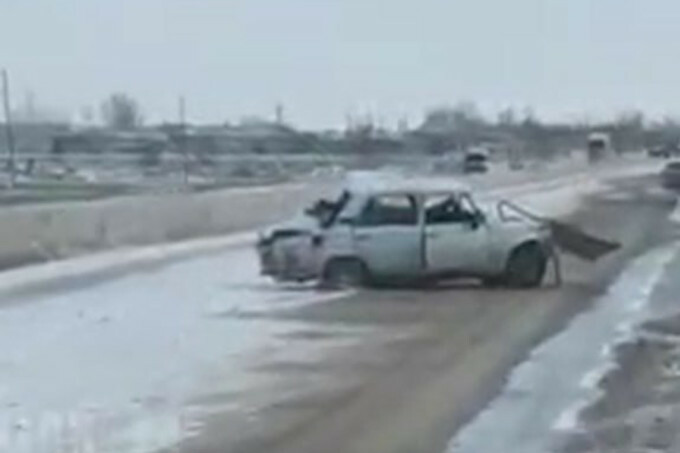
113,365
204,355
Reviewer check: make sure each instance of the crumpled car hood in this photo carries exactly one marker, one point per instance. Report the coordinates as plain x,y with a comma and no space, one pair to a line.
300,224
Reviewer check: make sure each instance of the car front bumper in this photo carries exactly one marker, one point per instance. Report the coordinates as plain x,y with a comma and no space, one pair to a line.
288,259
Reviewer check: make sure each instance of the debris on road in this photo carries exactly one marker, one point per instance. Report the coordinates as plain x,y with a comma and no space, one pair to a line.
574,240
568,237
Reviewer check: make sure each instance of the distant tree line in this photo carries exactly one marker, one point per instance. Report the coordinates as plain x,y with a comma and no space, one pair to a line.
445,128
454,127
121,112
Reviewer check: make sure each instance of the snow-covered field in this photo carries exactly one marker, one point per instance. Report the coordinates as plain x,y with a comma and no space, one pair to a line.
112,366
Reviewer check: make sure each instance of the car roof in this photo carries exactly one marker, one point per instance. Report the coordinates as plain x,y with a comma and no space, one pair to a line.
376,182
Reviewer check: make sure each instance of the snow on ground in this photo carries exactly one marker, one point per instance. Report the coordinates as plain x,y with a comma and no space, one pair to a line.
555,198
544,395
111,367
88,266
675,215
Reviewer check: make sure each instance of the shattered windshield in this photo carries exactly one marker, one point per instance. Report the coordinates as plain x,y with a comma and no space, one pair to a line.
327,211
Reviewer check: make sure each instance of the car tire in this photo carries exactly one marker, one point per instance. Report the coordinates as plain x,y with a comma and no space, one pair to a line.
493,282
342,273
526,267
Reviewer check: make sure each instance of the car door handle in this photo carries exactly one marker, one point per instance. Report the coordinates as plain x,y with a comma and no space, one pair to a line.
362,236
432,235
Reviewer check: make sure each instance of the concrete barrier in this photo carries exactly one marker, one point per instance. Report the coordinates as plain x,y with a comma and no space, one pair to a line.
38,233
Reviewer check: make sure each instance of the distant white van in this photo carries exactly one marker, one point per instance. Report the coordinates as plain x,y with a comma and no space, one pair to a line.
599,146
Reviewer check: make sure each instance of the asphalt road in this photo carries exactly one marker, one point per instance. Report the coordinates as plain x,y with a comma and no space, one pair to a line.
203,355
429,360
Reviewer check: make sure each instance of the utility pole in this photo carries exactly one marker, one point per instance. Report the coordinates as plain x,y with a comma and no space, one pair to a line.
29,113
279,112
8,129
183,140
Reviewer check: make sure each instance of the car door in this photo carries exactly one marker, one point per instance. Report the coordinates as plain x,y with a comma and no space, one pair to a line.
456,236
388,235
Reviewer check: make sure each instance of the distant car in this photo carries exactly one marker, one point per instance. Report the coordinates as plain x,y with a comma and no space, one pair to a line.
402,230
670,176
475,166
658,152
476,162
663,151
516,165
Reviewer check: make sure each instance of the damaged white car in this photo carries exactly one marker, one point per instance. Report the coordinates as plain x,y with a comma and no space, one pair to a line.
406,230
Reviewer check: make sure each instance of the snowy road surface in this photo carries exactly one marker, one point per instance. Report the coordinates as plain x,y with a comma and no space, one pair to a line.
545,394
111,366
137,363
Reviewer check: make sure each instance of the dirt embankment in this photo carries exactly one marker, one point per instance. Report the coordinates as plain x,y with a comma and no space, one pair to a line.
640,406
452,347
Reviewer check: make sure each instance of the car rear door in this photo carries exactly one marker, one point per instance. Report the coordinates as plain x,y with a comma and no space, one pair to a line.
456,237
388,235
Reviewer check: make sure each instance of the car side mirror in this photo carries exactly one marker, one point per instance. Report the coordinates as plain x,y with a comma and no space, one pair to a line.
350,221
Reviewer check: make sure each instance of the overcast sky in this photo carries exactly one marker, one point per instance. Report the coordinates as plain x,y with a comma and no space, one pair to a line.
324,59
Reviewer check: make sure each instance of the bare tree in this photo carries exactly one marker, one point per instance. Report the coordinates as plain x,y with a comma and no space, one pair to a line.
460,118
121,111
507,117
631,119
459,126
628,130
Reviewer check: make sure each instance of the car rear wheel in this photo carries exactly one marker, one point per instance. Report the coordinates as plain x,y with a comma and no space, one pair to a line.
345,273
493,282
526,267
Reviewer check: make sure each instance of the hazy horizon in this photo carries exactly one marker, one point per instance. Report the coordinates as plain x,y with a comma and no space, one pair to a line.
326,59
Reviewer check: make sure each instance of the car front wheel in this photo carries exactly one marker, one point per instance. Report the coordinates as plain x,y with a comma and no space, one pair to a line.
345,273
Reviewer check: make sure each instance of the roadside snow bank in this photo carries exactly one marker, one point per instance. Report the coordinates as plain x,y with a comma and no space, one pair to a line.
675,215
120,368
107,264
554,198
545,394
30,234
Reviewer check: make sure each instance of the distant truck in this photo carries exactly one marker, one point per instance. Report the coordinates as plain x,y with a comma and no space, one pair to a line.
599,146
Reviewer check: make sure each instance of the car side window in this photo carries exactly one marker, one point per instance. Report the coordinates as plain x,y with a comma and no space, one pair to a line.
389,210
447,209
